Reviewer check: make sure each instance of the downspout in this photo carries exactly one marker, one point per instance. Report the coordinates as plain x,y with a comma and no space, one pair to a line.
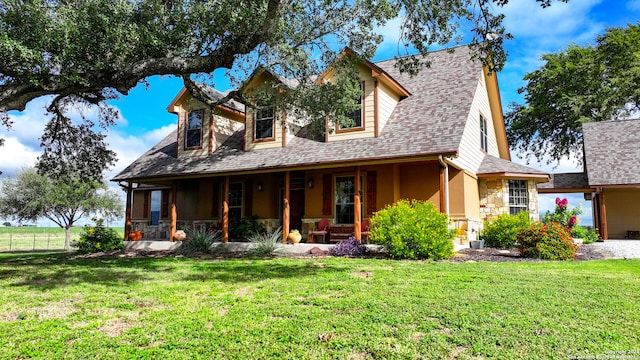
446,183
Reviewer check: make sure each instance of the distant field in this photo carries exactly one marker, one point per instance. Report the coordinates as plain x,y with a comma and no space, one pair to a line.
37,238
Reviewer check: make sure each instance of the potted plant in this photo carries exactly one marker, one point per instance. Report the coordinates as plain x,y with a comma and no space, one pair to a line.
294,236
475,243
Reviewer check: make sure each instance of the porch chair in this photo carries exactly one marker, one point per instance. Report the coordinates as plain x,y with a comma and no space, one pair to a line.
364,230
322,229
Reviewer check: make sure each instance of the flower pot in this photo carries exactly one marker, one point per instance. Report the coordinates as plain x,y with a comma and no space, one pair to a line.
476,244
135,235
179,235
294,237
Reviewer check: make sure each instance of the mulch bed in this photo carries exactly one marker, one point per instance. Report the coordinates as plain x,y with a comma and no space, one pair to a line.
585,252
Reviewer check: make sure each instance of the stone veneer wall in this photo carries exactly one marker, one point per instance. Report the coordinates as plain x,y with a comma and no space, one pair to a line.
494,198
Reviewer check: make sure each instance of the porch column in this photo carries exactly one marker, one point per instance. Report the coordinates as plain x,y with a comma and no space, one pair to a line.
396,182
603,217
174,212
285,206
357,216
225,212
127,213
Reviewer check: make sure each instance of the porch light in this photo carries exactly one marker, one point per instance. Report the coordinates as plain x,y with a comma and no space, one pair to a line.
260,188
310,183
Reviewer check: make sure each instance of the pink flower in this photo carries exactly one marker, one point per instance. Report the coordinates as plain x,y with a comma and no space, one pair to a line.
558,201
565,201
573,220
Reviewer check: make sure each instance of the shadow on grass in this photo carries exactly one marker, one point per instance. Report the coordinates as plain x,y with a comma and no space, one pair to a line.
53,270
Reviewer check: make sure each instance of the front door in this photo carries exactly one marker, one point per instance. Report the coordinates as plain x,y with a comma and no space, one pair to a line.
296,208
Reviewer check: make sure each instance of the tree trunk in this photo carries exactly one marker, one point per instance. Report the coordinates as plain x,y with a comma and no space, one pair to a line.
67,238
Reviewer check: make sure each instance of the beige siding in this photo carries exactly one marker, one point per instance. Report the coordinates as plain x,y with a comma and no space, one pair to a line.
368,113
262,144
623,207
387,102
222,129
190,105
471,155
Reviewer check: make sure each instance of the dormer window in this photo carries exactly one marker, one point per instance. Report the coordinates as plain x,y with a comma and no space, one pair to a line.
356,115
483,134
264,123
193,137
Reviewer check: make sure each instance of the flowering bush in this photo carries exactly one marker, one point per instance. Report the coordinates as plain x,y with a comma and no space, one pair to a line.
546,241
563,215
350,247
412,230
98,238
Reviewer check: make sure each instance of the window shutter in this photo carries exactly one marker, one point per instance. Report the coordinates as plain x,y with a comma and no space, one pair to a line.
145,206
215,201
165,203
248,197
372,183
326,194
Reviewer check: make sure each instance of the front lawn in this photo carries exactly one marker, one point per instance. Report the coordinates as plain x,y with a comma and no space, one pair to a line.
53,306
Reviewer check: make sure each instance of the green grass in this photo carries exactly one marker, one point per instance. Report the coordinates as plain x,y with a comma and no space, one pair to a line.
53,306
39,238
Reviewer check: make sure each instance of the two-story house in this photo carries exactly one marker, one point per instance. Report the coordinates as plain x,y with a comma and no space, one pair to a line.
438,136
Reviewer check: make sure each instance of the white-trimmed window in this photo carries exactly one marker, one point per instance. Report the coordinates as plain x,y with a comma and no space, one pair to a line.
264,123
345,199
483,134
193,135
235,200
518,196
155,207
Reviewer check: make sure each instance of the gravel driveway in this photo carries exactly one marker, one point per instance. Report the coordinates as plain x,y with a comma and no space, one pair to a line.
629,249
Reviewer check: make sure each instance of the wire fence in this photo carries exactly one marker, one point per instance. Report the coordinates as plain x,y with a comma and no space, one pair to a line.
33,242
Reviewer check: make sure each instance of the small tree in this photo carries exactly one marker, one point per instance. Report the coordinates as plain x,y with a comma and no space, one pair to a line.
63,200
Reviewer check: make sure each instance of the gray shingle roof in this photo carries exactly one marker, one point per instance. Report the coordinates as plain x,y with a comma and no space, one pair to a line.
612,152
565,182
492,165
428,123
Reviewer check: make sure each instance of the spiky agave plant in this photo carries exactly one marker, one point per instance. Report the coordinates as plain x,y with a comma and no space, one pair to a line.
265,244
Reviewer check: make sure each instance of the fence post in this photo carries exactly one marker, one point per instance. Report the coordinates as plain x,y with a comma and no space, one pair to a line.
10,240
48,239
34,241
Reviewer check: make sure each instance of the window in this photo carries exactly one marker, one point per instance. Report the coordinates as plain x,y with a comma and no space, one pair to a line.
356,115
154,209
264,123
194,129
518,196
235,201
344,199
483,134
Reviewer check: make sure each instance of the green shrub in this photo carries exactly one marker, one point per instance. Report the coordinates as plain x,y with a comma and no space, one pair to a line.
98,238
200,241
501,232
265,243
546,241
412,230
242,228
588,236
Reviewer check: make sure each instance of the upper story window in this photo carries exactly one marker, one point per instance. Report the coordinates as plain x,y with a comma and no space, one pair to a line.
518,196
356,115
193,138
264,123
483,134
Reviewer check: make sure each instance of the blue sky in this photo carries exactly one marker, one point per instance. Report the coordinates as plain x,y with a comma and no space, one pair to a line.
537,31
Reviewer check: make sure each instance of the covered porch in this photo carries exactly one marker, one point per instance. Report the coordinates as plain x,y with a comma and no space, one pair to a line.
291,199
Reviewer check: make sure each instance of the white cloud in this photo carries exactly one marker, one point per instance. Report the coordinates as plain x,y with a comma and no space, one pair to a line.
15,156
633,5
